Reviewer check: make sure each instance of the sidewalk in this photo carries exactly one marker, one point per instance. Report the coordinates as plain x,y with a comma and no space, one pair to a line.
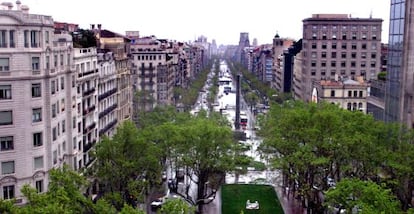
290,205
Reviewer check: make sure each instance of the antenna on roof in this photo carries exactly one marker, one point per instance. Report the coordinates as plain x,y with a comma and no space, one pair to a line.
370,14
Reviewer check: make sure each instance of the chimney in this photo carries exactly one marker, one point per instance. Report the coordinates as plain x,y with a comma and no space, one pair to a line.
92,27
18,4
99,26
25,9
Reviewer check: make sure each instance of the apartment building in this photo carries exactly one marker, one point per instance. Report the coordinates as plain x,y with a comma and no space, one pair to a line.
107,94
36,83
85,132
154,64
119,45
338,44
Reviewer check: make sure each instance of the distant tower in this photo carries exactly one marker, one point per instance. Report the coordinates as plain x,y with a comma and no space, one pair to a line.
243,43
254,42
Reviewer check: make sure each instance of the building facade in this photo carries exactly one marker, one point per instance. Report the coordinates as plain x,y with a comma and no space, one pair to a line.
400,69
36,83
346,93
337,44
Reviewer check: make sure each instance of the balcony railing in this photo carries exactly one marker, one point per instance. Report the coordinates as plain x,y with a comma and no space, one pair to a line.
84,74
89,128
90,109
89,145
107,94
107,127
108,110
89,92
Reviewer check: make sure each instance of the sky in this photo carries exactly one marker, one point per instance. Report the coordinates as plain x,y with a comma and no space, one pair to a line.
222,20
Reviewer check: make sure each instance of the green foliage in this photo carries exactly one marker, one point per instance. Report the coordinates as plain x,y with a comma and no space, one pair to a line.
176,206
382,75
128,165
84,38
367,196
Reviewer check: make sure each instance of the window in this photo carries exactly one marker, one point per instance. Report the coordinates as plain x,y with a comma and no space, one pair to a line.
353,55
334,36
34,39
63,126
313,63
5,92
38,163
343,64
314,46
349,106
323,54
73,81
324,46
374,46
353,64
37,139
54,157
6,118
61,60
54,134
343,55
343,36
64,146
373,64
26,38
4,64
364,46
313,72
47,37
62,83
313,55
323,63
374,36
332,93
349,93
7,167
8,192
39,186
74,122
333,63
364,36
360,93
333,46
343,46
373,55
3,43
37,115
324,35
355,93
35,63
333,55
36,90
55,59
52,86
6,143
363,55
53,110
11,39
354,46
354,36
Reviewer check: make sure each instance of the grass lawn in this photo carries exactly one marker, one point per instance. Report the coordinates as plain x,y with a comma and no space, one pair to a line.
234,197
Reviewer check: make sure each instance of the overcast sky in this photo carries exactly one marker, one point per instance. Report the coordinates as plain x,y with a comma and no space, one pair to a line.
222,20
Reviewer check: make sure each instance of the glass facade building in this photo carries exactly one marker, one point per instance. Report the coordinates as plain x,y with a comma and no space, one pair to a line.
395,69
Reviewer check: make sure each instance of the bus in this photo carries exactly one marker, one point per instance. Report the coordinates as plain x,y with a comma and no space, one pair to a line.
243,121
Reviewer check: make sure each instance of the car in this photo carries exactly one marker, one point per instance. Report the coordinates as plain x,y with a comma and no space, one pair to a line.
157,203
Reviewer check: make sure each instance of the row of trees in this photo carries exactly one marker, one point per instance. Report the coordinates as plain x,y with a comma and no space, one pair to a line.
130,164
313,143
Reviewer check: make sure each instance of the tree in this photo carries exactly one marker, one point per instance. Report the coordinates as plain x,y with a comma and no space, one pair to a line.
251,99
64,196
206,151
176,206
365,196
127,165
